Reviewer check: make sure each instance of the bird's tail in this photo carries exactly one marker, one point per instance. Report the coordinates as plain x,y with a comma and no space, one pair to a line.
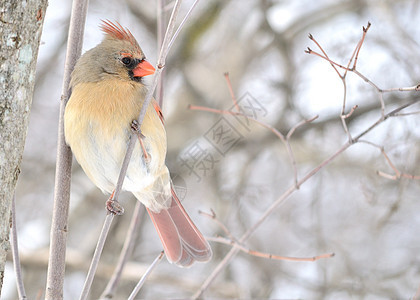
182,241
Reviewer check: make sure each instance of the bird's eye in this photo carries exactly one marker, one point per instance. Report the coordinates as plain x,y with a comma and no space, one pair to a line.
126,60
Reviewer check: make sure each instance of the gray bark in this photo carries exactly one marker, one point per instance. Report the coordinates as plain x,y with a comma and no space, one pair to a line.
20,32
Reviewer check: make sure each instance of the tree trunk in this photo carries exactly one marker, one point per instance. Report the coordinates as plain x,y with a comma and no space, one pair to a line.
20,32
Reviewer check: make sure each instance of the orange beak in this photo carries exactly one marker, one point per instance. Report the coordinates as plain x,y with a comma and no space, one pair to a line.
144,68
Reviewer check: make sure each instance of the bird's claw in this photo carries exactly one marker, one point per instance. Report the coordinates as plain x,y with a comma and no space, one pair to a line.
114,207
135,127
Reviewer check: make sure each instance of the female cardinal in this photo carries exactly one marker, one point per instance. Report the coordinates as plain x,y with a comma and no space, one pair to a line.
107,95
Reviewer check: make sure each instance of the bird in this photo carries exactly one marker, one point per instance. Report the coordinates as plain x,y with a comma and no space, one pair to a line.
107,94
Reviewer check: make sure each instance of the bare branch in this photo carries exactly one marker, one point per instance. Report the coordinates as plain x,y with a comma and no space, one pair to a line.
309,51
289,146
359,45
161,25
96,256
266,255
397,174
415,88
58,235
221,225
126,252
300,124
351,112
234,242
232,94
184,20
144,277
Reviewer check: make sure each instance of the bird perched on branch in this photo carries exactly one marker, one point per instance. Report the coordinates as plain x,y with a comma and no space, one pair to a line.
107,95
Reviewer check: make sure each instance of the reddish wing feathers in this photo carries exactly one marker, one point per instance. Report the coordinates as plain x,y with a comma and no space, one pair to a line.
158,111
118,32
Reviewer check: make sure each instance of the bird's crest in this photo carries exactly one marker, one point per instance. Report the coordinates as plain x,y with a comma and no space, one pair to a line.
116,31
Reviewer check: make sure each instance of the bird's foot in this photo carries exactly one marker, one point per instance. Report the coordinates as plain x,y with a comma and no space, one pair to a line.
114,207
135,127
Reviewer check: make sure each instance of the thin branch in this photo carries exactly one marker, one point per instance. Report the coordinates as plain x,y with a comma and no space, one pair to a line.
15,253
184,20
266,255
96,256
289,146
58,235
233,242
407,114
346,116
359,45
309,51
352,69
300,124
126,252
415,88
144,277
160,35
232,94
221,225
397,174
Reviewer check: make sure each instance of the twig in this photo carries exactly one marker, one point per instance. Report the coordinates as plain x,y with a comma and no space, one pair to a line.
266,255
126,252
160,35
354,56
221,225
232,94
289,146
300,124
232,253
15,253
96,256
407,114
181,25
58,235
397,174
403,89
144,277
359,45
309,51
234,242
353,69
351,112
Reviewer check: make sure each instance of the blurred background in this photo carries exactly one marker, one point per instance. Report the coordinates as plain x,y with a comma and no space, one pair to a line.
237,168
